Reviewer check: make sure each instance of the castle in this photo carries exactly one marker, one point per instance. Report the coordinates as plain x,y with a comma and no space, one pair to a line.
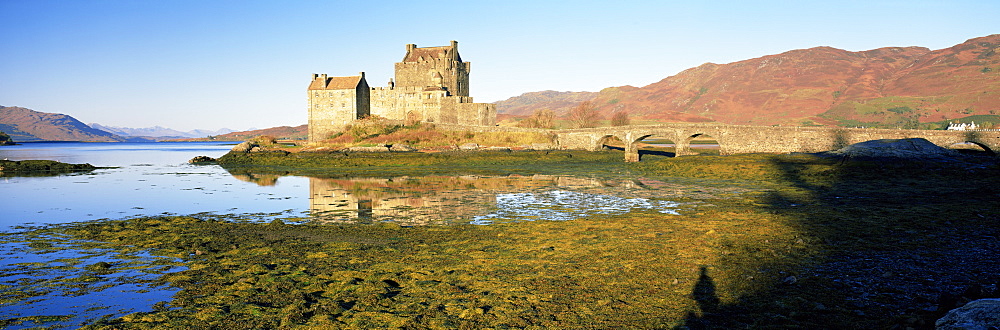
431,85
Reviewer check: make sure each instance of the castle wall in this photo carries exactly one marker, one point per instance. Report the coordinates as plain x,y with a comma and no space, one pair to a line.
407,103
332,109
329,111
434,67
482,114
430,106
454,75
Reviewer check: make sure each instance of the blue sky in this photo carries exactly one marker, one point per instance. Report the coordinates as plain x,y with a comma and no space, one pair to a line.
241,64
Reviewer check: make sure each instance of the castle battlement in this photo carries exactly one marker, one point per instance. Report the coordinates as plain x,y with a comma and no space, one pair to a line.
431,84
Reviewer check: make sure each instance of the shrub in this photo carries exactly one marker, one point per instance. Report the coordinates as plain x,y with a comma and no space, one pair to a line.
543,118
900,110
620,118
370,127
264,140
583,115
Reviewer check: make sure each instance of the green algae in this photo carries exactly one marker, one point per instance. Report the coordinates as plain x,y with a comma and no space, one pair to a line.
326,164
746,259
634,270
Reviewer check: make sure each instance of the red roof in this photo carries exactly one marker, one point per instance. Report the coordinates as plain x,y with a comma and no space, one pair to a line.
427,53
321,82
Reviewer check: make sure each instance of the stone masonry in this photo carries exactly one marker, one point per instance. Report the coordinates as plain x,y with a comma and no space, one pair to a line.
737,139
431,85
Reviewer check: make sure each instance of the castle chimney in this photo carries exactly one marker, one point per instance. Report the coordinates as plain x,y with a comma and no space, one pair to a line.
410,47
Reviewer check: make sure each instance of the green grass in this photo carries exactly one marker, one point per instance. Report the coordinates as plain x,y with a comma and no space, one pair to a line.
419,163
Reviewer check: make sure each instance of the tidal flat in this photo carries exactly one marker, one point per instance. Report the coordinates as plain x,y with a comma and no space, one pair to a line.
809,242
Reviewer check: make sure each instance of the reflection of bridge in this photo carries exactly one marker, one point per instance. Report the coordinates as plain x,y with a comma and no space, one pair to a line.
735,139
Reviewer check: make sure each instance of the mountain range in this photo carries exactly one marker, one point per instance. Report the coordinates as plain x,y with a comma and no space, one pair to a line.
159,132
910,87
300,132
26,125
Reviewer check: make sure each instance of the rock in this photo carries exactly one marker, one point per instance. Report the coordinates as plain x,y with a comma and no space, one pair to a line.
201,159
245,146
979,314
368,149
261,143
894,148
401,148
498,149
469,146
264,140
541,146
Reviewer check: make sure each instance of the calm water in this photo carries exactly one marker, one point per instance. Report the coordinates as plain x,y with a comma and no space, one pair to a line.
149,179
154,179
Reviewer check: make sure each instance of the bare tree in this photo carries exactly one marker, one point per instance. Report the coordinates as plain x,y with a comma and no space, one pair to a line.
620,118
543,118
583,115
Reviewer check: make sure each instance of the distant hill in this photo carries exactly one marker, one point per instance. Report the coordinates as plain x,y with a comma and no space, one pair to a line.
886,87
527,103
26,125
159,132
300,132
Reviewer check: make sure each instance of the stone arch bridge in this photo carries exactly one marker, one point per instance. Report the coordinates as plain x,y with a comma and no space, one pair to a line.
736,139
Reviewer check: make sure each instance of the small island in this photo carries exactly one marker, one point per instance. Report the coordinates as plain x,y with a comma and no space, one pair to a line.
40,167
5,140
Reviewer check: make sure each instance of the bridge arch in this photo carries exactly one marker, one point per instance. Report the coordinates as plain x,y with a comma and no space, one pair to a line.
632,148
609,140
684,146
985,147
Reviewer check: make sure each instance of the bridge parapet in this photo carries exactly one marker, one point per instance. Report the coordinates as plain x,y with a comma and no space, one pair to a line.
736,139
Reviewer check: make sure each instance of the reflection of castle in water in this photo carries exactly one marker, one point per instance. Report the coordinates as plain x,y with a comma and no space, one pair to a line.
421,200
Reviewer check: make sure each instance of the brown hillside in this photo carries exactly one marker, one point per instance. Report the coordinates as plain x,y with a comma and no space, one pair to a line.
527,103
26,125
891,87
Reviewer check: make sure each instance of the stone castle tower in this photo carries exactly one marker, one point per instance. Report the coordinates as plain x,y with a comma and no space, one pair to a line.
431,85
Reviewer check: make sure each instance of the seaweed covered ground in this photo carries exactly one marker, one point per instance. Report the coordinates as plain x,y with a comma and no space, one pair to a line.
823,244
